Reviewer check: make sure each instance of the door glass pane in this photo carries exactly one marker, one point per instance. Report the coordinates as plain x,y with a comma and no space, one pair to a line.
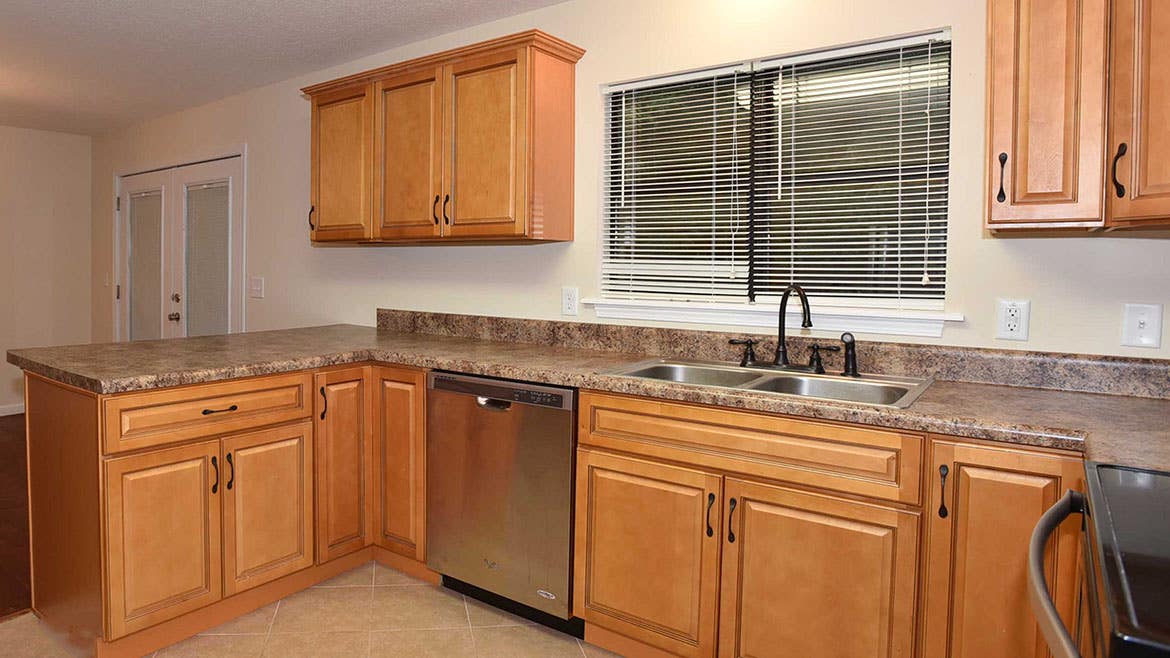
145,260
208,223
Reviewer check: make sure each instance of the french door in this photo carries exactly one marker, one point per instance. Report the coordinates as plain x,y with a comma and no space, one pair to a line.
181,251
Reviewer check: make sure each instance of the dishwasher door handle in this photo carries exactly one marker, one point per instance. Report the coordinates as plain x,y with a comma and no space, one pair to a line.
1060,643
492,403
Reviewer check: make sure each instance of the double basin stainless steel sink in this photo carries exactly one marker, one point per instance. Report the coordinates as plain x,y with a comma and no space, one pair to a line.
879,390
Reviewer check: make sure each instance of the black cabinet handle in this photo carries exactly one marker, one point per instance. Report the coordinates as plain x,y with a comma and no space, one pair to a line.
730,525
446,219
232,473
1001,197
942,488
208,412
311,227
710,502
435,210
1122,149
215,465
325,400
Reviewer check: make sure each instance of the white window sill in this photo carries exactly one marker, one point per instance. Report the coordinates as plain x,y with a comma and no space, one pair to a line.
893,322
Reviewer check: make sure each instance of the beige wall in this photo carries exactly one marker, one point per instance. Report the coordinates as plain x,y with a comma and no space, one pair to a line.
44,249
1076,285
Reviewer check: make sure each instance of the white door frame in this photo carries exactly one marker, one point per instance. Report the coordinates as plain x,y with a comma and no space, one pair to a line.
175,213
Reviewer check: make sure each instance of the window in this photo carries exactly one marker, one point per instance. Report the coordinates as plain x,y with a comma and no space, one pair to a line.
828,170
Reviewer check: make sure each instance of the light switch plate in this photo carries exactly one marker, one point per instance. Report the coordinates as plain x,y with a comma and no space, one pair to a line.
256,287
1141,325
1011,319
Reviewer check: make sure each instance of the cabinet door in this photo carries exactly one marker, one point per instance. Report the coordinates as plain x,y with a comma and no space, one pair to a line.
1139,115
401,460
1046,112
163,552
408,174
484,142
803,570
267,505
975,593
647,551
342,164
344,463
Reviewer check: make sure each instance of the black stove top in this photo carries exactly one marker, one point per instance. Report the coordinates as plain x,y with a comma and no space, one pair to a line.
1130,511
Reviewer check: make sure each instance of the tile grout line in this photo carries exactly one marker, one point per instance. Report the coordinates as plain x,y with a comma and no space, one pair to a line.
271,623
470,628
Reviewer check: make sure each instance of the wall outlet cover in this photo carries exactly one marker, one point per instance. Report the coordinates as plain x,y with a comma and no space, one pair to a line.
256,287
1011,319
570,300
1141,325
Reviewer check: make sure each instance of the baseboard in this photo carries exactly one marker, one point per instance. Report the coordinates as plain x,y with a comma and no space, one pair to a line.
11,409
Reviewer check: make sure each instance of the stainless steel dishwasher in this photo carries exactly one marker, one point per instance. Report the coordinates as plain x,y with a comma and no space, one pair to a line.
500,487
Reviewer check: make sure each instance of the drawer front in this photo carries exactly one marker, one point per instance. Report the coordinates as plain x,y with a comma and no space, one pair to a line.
867,461
141,420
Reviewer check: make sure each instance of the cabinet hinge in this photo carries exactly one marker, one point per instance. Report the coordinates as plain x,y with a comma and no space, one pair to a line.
118,204
118,291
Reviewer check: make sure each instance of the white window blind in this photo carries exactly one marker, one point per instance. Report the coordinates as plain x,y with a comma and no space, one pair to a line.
829,171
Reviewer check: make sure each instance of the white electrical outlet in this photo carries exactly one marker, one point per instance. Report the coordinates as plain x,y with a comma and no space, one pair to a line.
256,287
1142,325
1011,319
570,300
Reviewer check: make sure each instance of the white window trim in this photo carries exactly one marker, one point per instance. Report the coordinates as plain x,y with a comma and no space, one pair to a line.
893,322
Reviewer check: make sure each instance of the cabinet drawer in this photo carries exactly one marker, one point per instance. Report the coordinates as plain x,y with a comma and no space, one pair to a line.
141,420
873,462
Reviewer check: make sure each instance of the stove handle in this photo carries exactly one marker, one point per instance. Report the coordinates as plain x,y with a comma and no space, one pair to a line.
1060,643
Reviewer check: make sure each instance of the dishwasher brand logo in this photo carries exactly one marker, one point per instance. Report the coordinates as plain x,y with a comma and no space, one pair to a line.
491,565
546,594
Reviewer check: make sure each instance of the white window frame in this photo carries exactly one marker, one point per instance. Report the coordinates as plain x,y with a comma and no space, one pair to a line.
919,318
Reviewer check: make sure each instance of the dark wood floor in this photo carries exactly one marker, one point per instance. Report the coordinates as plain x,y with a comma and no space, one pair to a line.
14,575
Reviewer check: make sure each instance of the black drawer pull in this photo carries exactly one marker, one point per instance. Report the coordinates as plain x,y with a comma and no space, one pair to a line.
435,210
1001,197
446,219
730,525
208,412
710,503
325,400
232,473
311,227
1122,149
942,490
215,465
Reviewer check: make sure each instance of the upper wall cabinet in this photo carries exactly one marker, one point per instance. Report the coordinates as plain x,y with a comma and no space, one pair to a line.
1056,157
468,145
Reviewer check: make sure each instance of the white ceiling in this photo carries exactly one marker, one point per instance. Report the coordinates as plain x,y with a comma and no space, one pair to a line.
89,66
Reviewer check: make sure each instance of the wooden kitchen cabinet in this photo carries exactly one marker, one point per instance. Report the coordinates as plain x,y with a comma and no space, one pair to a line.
647,551
344,462
979,522
267,505
802,569
163,552
342,145
469,145
1138,192
400,463
1046,105
408,137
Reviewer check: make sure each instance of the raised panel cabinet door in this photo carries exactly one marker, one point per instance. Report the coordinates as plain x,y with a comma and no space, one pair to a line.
646,555
1046,112
400,407
344,462
267,505
484,145
979,523
808,574
1139,116
163,552
408,135
342,137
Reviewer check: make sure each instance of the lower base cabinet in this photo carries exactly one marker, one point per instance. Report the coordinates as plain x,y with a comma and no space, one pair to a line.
984,502
808,574
400,462
187,526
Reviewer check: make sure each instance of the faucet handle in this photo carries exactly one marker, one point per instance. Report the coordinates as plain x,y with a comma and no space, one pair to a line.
814,361
749,350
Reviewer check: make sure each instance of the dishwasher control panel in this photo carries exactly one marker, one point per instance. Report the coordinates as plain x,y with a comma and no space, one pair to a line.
520,392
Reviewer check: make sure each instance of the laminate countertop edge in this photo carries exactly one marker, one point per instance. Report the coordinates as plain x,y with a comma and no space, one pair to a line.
1117,429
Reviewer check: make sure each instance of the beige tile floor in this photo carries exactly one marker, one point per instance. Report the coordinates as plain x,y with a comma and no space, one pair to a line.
371,611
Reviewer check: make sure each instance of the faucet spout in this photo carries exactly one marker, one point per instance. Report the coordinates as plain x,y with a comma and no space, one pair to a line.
805,321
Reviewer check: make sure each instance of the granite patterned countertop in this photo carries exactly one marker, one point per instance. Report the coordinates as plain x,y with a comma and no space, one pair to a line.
1110,428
